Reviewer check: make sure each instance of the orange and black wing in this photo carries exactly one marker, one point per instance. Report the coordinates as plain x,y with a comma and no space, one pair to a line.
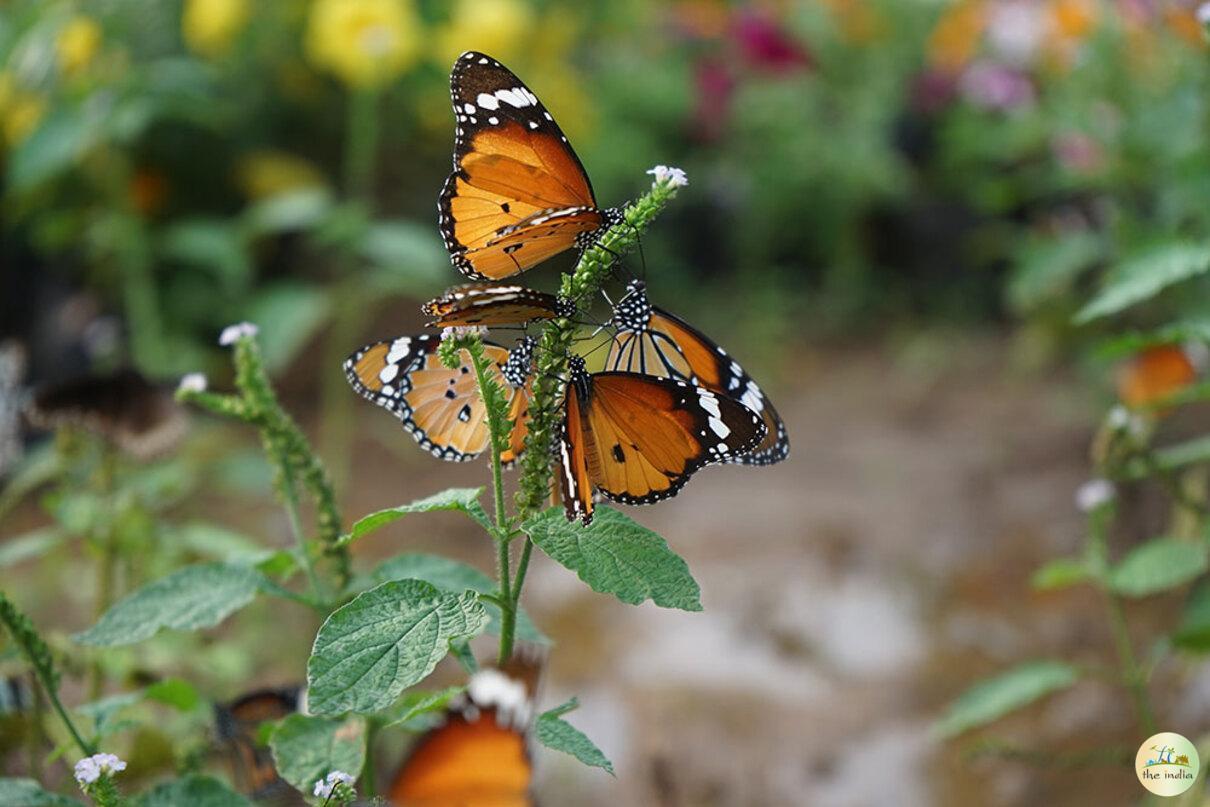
518,194
494,304
479,756
637,438
479,763
655,342
438,406
252,765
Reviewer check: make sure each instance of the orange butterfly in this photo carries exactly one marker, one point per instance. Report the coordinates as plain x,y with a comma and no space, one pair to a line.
238,723
518,194
480,756
440,407
652,341
493,304
638,438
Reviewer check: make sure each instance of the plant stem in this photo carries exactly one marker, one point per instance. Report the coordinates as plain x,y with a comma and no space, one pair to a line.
1131,673
361,143
290,499
367,767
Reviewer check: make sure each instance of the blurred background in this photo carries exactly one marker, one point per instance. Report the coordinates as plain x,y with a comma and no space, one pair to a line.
897,215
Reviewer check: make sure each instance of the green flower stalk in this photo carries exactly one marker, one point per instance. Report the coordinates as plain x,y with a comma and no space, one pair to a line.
37,653
590,274
295,462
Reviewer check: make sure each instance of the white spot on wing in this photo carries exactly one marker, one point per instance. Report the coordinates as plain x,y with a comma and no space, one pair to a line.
488,101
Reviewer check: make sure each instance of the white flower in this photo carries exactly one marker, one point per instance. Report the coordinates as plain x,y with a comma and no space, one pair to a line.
455,331
326,786
667,175
90,769
1203,13
233,333
194,382
1094,494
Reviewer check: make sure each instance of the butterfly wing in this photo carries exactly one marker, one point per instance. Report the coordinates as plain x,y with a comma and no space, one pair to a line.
438,406
518,194
493,304
640,438
252,764
479,756
670,347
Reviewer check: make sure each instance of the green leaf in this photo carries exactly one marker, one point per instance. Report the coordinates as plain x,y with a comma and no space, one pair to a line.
1048,268
1061,573
220,543
288,212
103,711
465,500
617,556
306,749
29,546
555,733
1193,634
454,577
213,244
175,692
1158,565
1143,276
414,707
990,700
28,793
194,597
385,640
52,148
288,314
196,790
407,255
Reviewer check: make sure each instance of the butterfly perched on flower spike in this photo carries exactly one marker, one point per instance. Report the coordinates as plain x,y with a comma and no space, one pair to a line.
518,193
475,304
441,407
638,438
651,340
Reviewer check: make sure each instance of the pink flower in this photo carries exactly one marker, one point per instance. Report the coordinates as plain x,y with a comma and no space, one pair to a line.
765,44
996,86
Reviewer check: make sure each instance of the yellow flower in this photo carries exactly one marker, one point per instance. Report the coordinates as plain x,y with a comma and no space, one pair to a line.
498,27
20,111
77,44
365,43
261,174
209,26
953,41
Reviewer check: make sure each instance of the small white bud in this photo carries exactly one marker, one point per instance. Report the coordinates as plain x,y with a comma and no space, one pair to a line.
193,382
455,331
90,769
1203,13
1094,494
233,333
667,175
326,786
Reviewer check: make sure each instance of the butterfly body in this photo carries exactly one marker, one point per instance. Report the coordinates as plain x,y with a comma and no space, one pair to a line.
637,438
518,193
494,304
438,406
656,342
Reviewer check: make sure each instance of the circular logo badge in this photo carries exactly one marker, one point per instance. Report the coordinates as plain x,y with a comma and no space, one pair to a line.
1167,764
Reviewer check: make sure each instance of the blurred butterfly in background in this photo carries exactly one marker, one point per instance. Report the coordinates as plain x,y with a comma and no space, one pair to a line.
140,418
238,726
638,438
494,304
479,756
440,407
652,341
518,194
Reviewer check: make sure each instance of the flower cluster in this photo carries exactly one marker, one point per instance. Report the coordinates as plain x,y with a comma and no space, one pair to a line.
337,784
90,769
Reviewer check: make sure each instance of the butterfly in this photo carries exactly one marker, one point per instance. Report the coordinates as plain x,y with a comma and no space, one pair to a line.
440,407
238,725
518,194
638,438
494,304
650,340
479,755
124,408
